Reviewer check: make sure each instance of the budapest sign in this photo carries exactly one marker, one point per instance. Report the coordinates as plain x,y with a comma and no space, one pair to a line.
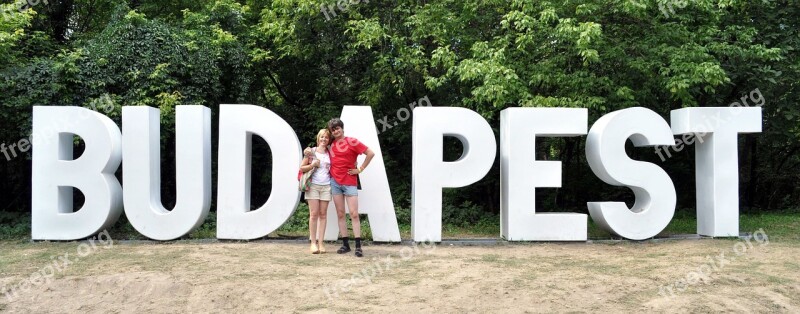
56,173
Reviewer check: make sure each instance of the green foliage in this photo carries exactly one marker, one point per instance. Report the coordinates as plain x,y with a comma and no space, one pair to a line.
12,29
465,215
208,230
782,225
298,222
284,55
14,226
123,230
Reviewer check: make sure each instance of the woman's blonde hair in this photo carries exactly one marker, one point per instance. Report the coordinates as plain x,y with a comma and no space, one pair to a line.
324,132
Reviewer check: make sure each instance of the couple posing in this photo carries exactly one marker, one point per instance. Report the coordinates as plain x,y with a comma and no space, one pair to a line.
334,162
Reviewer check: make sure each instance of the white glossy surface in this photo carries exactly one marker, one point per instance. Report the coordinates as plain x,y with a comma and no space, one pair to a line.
238,124
521,174
717,162
430,173
141,140
55,173
653,188
375,200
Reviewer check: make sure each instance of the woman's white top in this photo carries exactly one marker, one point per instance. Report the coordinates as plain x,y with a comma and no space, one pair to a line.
322,176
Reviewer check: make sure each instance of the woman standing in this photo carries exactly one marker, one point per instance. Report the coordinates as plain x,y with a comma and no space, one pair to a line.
318,194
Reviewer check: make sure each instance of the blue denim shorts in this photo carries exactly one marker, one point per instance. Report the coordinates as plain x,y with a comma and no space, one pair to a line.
338,189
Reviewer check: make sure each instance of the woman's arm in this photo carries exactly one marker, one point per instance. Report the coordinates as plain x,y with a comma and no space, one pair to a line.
306,167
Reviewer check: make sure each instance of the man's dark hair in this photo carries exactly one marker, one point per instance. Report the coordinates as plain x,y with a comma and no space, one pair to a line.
334,123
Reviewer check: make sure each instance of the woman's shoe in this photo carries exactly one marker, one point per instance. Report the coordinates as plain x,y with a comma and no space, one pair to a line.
321,247
314,248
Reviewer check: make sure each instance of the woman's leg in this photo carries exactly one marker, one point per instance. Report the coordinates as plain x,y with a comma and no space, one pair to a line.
322,223
313,213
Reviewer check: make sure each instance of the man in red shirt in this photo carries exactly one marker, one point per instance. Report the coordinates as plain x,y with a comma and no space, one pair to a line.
344,181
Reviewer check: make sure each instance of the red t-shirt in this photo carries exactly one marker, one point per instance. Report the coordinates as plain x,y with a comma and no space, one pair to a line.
344,154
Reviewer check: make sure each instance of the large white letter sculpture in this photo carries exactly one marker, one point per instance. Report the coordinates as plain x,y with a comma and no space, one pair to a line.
717,162
375,198
55,173
520,174
141,148
430,173
655,193
238,124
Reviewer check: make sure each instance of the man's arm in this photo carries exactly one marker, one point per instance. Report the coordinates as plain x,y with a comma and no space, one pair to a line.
370,154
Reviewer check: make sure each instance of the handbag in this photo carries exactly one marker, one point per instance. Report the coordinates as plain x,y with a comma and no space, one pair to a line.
305,178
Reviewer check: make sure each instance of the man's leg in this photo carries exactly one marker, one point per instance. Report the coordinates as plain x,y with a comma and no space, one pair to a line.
338,202
352,205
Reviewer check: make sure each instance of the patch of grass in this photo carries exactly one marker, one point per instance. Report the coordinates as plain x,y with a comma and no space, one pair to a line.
610,269
490,258
684,222
312,307
408,281
778,280
498,260
298,222
123,230
14,226
595,232
780,225
26,258
787,291
208,230
297,225
783,225
476,232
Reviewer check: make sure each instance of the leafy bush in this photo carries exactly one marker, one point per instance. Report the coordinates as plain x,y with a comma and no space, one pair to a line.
298,222
465,215
14,226
208,230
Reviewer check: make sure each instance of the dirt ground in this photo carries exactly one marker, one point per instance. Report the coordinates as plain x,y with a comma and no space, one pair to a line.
669,276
